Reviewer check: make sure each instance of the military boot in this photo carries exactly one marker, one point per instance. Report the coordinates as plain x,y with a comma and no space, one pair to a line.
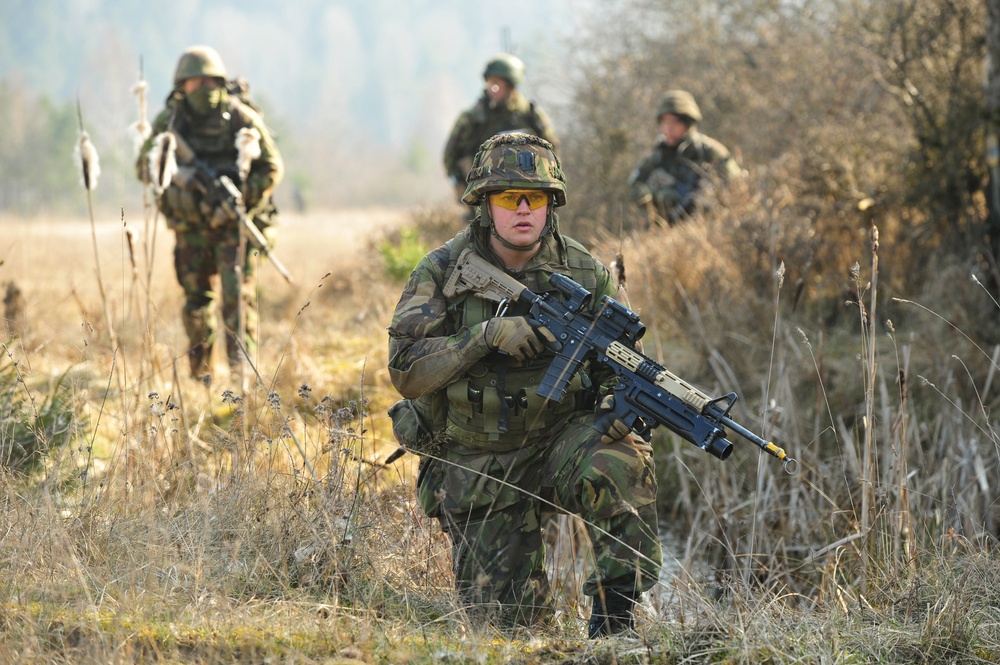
612,614
198,356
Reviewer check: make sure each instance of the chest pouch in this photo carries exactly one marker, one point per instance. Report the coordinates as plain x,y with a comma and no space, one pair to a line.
477,410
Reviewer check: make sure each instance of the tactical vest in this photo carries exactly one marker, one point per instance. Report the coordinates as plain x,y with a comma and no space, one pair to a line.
685,162
214,143
476,416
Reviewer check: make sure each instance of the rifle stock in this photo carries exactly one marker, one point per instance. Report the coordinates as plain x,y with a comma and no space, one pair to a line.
647,395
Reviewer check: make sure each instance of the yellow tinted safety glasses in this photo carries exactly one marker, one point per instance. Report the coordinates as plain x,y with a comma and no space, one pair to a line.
511,198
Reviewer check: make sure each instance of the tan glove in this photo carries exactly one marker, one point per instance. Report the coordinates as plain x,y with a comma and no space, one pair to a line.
516,337
608,424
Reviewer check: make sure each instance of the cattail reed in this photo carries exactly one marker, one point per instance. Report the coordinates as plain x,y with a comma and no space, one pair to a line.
90,169
140,130
618,269
87,161
130,244
162,161
247,149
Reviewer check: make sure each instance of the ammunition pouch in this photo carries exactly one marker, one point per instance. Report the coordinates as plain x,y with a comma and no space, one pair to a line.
182,207
474,409
416,423
641,194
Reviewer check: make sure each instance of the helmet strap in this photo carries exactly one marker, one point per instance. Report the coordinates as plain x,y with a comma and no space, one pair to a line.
485,219
518,248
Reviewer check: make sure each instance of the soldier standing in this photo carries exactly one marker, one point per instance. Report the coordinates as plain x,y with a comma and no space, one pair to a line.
505,454
673,181
501,108
228,137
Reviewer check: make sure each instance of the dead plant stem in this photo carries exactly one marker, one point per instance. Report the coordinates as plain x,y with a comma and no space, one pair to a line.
869,456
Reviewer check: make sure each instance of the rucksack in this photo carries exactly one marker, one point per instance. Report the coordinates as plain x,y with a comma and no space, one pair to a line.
239,87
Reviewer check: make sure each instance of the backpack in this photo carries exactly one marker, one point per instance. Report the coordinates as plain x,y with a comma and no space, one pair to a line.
239,87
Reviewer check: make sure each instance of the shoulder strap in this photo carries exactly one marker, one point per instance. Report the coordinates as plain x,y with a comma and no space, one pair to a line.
581,263
240,89
697,142
455,246
534,119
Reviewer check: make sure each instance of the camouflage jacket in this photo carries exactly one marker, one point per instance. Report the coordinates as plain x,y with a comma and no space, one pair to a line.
213,141
673,177
437,344
482,121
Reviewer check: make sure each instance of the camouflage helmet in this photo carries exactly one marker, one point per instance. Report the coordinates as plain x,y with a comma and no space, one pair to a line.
681,103
199,61
506,66
515,160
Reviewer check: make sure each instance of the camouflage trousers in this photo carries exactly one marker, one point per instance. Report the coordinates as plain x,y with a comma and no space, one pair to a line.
491,506
198,257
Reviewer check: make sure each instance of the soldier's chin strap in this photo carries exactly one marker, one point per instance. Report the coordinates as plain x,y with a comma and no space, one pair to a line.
547,231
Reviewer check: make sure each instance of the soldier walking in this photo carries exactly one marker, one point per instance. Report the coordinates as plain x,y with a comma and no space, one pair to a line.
227,138
501,108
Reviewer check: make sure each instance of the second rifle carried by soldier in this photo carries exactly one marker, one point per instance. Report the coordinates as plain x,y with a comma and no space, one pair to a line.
226,199
646,395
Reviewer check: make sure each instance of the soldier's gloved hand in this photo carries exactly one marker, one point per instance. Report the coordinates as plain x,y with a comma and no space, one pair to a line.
611,427
668,197
640,193
516,337
222,216
253,191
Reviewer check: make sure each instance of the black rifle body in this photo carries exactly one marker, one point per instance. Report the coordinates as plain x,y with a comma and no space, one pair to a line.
221,192
646,394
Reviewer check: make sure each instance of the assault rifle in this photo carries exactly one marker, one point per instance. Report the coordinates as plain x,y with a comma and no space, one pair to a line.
646,394
226,199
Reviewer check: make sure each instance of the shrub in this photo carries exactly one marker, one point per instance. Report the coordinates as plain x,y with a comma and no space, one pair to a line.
29,429
402,253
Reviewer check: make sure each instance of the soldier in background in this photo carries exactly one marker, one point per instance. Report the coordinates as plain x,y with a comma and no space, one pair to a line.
676,178
203,112
496,468
501,108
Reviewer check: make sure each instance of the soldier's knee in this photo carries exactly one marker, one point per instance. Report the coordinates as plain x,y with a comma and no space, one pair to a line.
620,477
196,301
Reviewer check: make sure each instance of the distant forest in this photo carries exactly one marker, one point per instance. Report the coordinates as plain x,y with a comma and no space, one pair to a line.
826,103
360,93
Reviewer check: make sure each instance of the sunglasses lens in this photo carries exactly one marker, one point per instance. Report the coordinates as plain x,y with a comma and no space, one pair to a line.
511,198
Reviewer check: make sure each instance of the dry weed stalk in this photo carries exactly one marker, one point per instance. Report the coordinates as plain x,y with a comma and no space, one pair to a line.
162,164
172,533
90,169
869,471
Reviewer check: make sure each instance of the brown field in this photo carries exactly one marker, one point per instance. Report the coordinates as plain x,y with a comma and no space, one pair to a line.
175,522
52,261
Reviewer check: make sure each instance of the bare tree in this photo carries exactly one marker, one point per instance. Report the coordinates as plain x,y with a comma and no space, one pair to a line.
992,95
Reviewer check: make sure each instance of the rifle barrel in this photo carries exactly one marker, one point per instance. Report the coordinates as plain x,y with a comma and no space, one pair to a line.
790,465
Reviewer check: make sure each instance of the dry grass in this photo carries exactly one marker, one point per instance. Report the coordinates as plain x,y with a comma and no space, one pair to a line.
190,524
